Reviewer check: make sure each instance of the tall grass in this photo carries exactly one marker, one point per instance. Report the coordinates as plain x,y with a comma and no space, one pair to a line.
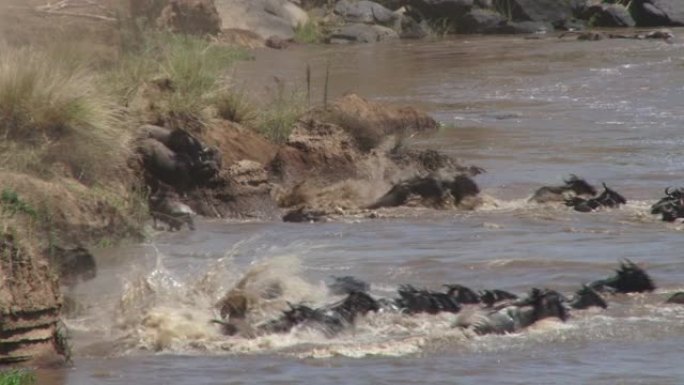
191,68
55,119
277,119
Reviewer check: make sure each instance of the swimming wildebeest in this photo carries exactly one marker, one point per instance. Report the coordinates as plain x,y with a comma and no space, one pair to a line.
165,207
573,187
304,215
412,300
511,318
587,297
490,297
330,319
629,278
676,298
347,285
608,198
433,190
671,206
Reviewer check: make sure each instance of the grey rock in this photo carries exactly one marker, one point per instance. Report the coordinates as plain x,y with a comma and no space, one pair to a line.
364,12
362,33
608,15
654,13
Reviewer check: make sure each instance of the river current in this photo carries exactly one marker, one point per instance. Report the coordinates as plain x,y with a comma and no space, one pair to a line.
528,111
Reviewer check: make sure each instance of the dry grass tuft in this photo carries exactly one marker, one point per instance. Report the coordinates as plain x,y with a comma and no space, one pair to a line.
55,120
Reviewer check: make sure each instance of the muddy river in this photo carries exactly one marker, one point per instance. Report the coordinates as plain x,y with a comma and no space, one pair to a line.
530,112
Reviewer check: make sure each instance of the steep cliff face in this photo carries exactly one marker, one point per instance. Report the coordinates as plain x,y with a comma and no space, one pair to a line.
30,304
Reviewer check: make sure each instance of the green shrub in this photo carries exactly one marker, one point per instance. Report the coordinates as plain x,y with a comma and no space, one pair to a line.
309,33
17,377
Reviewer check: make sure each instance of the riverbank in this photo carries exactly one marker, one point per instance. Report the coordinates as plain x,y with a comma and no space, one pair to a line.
95,132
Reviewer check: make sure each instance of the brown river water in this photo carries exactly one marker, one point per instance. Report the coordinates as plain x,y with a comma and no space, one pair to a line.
528,111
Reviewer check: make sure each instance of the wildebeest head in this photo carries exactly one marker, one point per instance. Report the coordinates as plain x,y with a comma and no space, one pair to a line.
491,297
669,205
632,279
629,278
356,303
347,285
462,294
546,304
579,186
610,198
587,297
463,186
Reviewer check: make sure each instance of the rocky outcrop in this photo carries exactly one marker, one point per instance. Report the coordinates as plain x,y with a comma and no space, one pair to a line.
654,13
197,17
30,304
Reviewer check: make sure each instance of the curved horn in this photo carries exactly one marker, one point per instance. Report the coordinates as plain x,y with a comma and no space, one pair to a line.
667,190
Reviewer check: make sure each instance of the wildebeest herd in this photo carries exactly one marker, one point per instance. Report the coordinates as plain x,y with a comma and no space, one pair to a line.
491,311
436,191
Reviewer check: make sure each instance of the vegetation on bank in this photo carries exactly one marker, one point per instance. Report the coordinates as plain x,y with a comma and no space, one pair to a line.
68,120
17,377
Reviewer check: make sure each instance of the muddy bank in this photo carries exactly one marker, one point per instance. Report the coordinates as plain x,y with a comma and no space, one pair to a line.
337,159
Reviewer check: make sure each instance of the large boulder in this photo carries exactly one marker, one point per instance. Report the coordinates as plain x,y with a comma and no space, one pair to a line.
364,12
654,13
198,17
608,15
362,33
266,18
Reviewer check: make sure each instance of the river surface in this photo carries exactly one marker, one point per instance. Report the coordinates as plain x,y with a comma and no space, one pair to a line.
530,112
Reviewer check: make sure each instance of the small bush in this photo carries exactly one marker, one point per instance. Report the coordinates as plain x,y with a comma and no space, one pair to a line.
277,119
17,377
235,106
53,117
309,33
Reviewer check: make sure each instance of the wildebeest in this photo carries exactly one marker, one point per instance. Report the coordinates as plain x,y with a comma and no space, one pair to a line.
489,297
165,207
671,206
304,215
347,285
587,297
177,158
538,305
573,187
433,190
676,298
608,198
412,300
629,278
330,319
